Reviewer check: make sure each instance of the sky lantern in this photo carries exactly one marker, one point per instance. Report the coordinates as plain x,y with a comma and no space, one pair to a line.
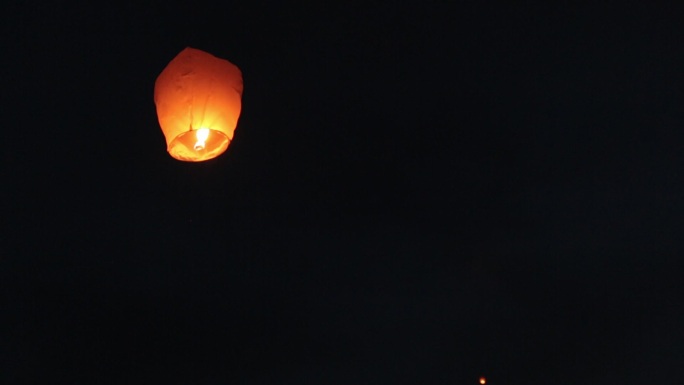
198,98
483,380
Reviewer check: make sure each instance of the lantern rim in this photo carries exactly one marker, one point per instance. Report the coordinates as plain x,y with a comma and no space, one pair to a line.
184,146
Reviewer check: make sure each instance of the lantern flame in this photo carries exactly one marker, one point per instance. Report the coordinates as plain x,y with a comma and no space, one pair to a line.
483,380
202,134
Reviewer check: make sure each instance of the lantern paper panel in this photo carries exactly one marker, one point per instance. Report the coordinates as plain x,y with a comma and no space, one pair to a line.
198,100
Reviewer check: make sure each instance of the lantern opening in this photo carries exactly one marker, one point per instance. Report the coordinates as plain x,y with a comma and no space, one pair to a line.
198,145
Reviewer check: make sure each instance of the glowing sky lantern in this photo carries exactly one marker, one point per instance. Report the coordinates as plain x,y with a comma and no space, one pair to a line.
483,380
198,98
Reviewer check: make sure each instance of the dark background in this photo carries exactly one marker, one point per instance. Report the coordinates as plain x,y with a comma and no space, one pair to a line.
414,195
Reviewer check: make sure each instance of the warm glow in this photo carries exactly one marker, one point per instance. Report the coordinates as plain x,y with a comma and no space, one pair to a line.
202,134
198,98
483,380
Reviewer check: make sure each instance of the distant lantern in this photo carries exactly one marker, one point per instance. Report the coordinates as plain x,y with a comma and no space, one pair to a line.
483,380
198,98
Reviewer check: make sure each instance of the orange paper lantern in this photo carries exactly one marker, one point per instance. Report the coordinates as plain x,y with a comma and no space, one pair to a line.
198,98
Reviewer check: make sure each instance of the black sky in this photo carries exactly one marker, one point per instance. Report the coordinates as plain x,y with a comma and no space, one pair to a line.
414,194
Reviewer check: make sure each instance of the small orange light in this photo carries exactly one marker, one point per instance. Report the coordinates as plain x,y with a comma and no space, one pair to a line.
198,99
483,380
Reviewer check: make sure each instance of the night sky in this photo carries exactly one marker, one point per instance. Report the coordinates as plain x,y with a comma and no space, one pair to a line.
414,195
